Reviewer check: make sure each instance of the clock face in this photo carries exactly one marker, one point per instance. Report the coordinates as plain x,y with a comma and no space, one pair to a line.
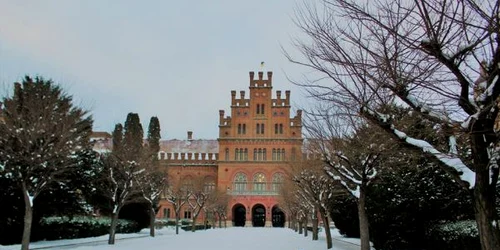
257,94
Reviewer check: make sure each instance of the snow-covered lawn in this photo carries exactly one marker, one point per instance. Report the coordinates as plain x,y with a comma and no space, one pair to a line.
220,239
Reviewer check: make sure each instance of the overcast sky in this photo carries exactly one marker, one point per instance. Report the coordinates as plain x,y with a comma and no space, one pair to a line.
178,61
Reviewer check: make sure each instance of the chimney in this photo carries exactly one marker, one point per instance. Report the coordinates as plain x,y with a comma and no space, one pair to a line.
242,94
190,135
261,74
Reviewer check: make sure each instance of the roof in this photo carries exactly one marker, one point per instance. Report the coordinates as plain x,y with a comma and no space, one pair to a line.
189,146
100,134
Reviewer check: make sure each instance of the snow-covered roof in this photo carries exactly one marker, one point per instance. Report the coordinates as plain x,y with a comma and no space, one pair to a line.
189,146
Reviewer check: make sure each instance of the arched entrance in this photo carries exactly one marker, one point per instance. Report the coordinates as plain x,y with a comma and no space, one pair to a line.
239,215
278,217
258,216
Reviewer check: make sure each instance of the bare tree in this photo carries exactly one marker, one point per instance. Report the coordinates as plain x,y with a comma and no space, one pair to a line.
217,204
151,183
316,188
116,183
177,195
200,195
425,55
41,135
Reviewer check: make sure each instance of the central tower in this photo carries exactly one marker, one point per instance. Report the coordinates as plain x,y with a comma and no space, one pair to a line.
256,144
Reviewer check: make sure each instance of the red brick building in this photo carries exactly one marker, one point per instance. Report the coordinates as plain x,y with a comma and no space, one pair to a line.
249,159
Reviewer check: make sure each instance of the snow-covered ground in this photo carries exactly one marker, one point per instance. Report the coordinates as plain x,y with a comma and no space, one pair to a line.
220,239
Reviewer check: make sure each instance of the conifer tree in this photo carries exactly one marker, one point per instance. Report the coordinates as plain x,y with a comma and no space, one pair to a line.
117,138
40,140
132,140
154,137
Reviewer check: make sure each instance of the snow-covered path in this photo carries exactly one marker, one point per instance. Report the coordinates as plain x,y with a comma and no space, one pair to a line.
217,239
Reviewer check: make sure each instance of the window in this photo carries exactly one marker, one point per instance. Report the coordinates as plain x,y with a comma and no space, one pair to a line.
259,157
258,128
240,182
258,108
283,154
236,154
187,183
187,214
239,129
166,213
262,128
209,184
259,182
277,181
276,128
254,154
227,154
264,153
281,128
245,154
274,154
244,129
262,109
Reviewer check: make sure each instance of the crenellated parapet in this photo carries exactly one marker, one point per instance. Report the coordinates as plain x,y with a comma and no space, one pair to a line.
241,102
281,102
260,82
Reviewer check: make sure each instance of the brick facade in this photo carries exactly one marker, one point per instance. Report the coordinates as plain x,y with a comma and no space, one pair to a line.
249,159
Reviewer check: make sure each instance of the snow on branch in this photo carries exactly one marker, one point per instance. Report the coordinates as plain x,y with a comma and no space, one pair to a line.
453,162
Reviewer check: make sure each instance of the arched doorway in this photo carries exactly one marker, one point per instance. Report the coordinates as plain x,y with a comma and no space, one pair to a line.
239,215
278,217
258,216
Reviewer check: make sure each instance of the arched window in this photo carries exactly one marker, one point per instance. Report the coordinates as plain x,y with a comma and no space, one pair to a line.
274,154
240,182
258,128
277,181
227,154
258,108
262,109
244,130
259,157
209,184
254,154
283,154
187,184
236,154
245,154
259,182
276,128
262,128
264,155
281,128
239,128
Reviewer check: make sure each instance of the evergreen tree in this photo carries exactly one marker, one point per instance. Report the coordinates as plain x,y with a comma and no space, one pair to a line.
117,138
154,139
40,140
133,138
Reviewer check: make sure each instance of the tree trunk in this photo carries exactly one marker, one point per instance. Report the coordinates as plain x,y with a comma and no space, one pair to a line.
220,220
485,214
28,218
177,223
364,231
152,216
300,226
112,228
326,225
305,227
484,193
193,226
315,226
225,222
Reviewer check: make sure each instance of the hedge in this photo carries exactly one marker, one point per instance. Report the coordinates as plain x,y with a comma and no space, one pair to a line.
54,228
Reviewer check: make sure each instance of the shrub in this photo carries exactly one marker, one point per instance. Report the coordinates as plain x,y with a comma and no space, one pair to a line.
455,235
54,228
